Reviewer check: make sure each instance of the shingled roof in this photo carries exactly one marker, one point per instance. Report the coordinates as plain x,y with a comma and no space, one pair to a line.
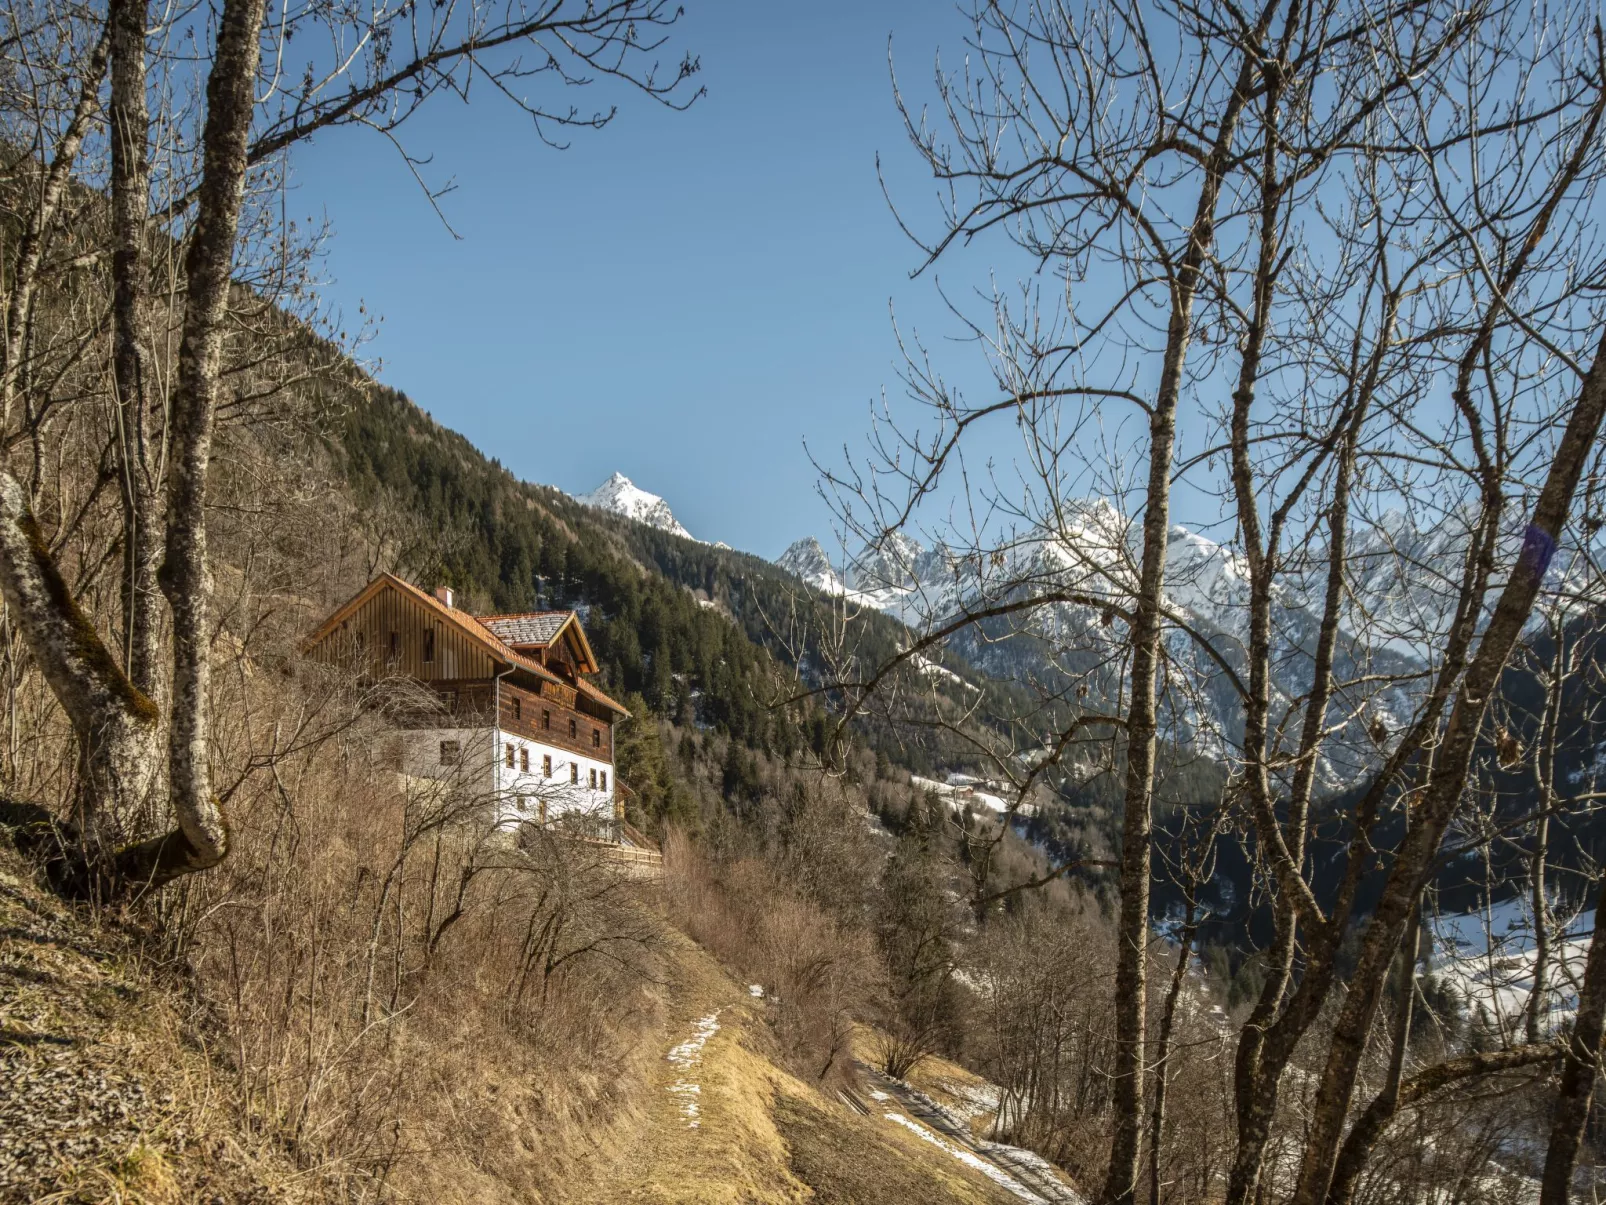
539,628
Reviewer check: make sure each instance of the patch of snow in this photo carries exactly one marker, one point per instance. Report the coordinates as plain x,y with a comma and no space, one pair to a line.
957,797
755,989
931,669
685,1058
1489,957
969,1159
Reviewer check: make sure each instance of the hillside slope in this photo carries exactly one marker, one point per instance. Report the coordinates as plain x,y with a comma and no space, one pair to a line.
115,1090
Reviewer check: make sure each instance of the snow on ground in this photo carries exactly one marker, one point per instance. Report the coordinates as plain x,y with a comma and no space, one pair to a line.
686,1058
969,1159
957,796
1488,956
974,1100
932,670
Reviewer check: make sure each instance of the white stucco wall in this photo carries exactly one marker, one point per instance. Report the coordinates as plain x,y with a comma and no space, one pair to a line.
560,795
482,768
421,756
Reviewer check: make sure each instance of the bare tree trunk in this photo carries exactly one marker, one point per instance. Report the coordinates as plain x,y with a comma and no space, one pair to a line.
1581,1062
201,839
36,229
1539,996
1162,1054
1544,769
114,723
1442,792
1362,1137
139,464
1143,712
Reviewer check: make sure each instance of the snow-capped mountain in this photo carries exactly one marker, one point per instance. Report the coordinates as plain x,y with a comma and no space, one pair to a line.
1094,558
807,560
621,496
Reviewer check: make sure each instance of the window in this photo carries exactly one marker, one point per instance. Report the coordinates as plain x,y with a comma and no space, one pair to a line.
596,738
524,760
524,803
451,753
574,729
451,700
429,645
593,779
546,766
362,640
395,645
518,707
510,755
602,780
574,773
546,718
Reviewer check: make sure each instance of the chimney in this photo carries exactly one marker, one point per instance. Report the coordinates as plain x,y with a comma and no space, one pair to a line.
444,594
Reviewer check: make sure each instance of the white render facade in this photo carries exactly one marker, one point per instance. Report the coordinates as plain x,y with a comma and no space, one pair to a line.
558,782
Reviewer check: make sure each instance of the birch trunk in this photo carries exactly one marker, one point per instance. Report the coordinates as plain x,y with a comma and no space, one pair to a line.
115,724
139,463
201,838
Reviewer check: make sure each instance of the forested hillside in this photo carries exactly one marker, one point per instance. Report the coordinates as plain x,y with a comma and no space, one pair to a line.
704,635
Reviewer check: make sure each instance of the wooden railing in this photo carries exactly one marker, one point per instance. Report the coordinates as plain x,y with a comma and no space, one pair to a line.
636,861
638,838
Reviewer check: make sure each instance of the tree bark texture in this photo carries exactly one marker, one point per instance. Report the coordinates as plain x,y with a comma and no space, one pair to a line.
139,462
31,244
1147,628
201,839
115,724
1374,1121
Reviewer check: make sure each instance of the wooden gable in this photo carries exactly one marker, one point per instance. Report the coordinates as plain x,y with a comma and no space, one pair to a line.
392,628
388,629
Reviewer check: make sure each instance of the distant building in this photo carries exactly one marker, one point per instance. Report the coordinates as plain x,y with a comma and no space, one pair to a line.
509,712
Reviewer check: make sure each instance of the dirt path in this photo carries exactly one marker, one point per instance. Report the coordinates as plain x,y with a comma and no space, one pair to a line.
706,1136
720,1124
1023,1174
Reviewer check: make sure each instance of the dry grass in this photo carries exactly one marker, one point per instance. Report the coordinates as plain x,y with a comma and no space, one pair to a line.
763,1136
418,1008
849,1160
110,1094
819,974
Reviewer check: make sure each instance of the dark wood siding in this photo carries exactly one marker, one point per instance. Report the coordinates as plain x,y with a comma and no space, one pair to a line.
467,704
390,634
364,641
527,723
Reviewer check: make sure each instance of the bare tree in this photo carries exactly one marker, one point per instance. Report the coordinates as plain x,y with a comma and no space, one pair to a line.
1331,219
259,101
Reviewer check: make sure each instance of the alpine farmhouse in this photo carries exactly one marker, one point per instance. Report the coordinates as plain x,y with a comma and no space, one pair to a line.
513,719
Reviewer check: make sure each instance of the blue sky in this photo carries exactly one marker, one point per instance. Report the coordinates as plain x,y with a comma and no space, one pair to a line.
683,297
